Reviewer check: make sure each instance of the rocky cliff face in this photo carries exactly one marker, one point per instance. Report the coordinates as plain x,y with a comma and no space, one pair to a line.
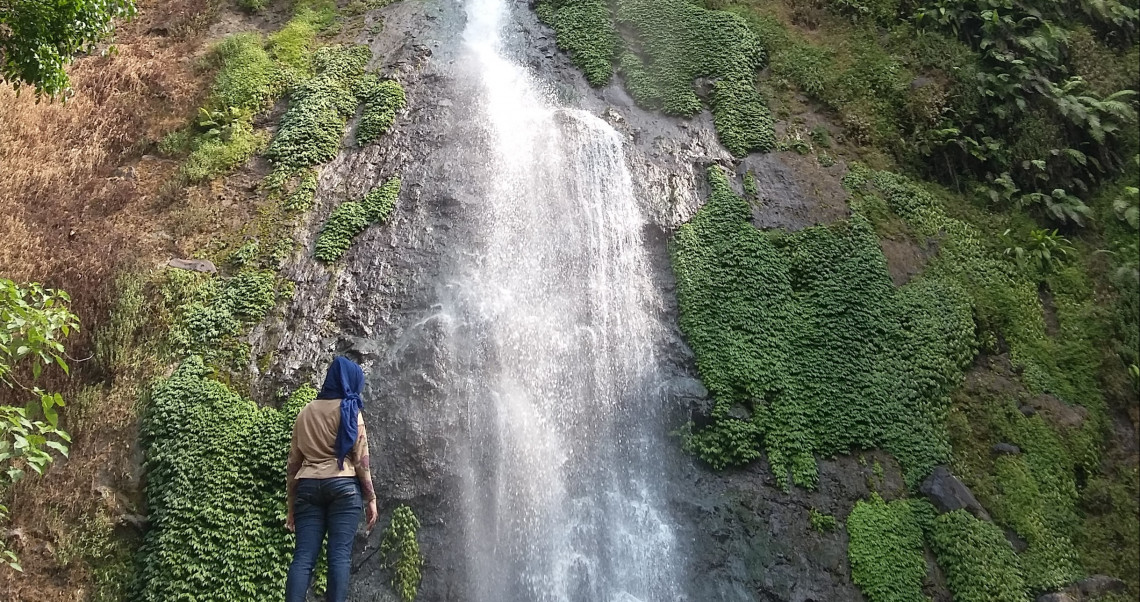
742,538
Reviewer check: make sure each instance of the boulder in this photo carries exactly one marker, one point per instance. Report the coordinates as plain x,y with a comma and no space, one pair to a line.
1097,585
948,494
1058,412
1006,448
194,265
1087,589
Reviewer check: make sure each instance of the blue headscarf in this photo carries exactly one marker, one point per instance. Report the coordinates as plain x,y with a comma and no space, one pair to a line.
344,381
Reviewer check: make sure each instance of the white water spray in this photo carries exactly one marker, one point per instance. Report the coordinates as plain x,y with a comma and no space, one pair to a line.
558,326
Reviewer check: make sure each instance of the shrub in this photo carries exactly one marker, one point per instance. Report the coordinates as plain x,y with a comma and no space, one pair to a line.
806,345
247,77
216,156
979,562
886,549
380,106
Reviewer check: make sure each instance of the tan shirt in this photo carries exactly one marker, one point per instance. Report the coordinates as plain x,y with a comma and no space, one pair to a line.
312,453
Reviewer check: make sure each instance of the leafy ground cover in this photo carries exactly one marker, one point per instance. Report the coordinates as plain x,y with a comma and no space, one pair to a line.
804,341
664,46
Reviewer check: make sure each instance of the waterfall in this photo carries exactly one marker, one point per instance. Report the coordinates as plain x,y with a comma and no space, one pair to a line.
556,327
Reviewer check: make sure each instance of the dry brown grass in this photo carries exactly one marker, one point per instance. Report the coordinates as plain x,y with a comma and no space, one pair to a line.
67,216
79,202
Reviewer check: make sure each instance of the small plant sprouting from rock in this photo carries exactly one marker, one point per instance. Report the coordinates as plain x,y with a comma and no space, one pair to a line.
400,552
301,199
824,523
352,217
380,106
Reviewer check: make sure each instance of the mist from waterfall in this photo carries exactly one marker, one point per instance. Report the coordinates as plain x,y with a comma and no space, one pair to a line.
555,329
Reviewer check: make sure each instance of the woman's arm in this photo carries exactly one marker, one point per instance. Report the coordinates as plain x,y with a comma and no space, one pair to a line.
364,474
291,469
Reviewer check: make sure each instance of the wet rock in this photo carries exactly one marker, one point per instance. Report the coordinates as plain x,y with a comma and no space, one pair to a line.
1018,544
1097,585
949,494
1058,412
1086,590
1027,411
194,265
1006,448
740,412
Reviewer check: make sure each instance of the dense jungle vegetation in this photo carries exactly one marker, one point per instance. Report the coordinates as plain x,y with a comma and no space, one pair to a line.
214,459
1003,135
996,139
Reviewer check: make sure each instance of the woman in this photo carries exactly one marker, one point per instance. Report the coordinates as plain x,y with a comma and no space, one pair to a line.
328,479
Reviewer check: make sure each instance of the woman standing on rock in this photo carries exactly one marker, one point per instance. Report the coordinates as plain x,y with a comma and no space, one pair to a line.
329,481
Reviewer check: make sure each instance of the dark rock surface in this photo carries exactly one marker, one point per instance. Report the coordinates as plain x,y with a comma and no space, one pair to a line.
743,538
1086,590
1006,448
1098,585
949,494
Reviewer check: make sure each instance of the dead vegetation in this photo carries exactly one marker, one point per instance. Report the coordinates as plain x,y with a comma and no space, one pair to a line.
82,201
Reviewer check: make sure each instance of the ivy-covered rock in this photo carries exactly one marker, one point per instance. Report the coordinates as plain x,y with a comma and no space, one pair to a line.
319,108
979,562
352,217
808,334
215,493
886,549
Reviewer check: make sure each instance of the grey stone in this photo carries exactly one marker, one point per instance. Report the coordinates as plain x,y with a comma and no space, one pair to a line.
194,265
740,412
1006,448
137,522
1027,410
1056,597
949,494
1019,545
1098,585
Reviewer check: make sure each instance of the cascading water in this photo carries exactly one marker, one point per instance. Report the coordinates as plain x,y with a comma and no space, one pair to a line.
555,326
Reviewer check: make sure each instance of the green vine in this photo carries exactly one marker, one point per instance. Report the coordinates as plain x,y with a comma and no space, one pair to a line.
808,348
668,44
979,563
352,217
821,522
319,108
400,552
676,42
211,313
886,548
380,106
215,466
585,29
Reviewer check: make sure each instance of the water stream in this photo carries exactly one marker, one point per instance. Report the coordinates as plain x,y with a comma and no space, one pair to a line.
556,332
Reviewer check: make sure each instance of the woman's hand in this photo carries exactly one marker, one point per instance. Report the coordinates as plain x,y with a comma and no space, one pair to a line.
289,521
370,515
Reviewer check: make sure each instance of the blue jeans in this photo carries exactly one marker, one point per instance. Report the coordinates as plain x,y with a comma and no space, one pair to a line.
323,506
